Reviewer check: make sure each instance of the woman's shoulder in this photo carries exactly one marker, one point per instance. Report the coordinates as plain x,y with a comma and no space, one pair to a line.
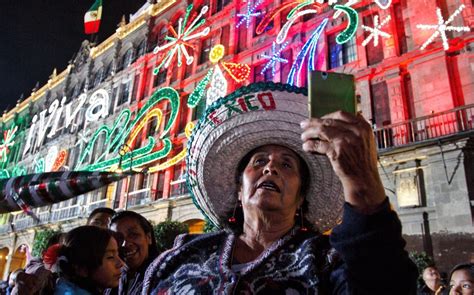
64,286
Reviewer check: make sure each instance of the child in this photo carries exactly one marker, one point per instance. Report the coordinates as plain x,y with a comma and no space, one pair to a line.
87,260
462,279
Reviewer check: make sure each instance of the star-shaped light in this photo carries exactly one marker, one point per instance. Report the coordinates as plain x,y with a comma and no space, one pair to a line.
8,141
274,58
180,40
442,27
375,32
251,12
348,4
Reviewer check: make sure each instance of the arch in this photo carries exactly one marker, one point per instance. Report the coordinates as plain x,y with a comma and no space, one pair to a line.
196,226
20,257
3,259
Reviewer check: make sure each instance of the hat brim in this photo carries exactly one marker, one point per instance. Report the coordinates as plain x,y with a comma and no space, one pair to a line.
253,116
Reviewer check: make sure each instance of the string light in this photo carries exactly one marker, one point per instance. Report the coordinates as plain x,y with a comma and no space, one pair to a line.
198,92
181,39
218,86
274,58
238,72
348,4
442,27
60,160
351,28
8,141
375,32
251,12
216,53
286,27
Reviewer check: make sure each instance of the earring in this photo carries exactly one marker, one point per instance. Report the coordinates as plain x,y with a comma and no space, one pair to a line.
232,219
302,228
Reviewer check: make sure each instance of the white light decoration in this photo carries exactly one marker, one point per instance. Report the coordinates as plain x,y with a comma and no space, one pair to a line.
348,4
274,58
442,27
218,86
251,12
286,27
50,158
99,106
375,32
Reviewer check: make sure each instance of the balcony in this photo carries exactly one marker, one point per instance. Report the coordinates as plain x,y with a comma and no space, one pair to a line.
455,121
178,188
138,198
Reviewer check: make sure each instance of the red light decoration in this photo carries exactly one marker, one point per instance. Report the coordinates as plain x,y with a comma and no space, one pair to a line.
60,160
238,72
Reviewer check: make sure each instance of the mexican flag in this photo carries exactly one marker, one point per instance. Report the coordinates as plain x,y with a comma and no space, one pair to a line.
92,18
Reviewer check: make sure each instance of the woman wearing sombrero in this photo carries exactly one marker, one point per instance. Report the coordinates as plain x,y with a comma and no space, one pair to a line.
274,181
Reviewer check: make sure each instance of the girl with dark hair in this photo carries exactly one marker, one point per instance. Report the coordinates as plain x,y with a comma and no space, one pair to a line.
87,260
461,279
138,249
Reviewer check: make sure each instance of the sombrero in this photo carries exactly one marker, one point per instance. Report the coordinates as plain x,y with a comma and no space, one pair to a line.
252,116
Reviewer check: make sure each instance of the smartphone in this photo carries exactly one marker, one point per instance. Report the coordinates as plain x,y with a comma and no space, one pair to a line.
330,92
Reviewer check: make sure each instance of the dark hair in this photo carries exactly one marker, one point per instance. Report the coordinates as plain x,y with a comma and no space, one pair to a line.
237,226
83,246
144,224
105,210
463,266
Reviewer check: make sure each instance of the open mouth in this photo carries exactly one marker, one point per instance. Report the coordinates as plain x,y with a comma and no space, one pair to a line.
269,185
129,253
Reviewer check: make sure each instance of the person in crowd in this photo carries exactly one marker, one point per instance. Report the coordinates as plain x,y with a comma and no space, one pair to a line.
101,217
87,260
37,279
433,283
274,181
461,279
12,280
138,250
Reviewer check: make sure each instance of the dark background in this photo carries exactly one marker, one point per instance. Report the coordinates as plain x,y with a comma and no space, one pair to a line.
37,36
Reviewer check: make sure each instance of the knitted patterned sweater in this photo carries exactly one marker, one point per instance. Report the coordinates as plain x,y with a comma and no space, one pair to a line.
370,260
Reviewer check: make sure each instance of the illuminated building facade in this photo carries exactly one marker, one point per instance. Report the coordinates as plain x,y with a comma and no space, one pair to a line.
109,111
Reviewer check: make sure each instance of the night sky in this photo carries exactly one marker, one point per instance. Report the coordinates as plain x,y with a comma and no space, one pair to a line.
37,36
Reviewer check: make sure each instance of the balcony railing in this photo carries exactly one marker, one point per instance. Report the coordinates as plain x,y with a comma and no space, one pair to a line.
139,197
4,228
434,126
178,188
66,213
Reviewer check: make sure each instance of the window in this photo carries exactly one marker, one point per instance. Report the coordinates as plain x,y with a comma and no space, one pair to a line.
380,104
258,19
340,54
285,68
175,70
258,76
160,78
160,185
225,33
124,93
242,42
151,129
220,4
205,48
189,68
141,48
99,76
78,89
136,83
400,29
127,58
374,53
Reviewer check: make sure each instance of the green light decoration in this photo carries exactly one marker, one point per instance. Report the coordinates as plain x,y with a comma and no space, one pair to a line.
198,93
351,28
7,142
19,171
39,165
140,156
4,173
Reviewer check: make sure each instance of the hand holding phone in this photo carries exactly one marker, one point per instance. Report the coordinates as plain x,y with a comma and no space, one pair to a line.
330,92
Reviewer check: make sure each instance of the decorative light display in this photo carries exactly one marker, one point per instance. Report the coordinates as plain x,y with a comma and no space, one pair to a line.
384,4
200,90
375,32
125,132
7,143
251,12
60,160
217,53
295,5
348,4
309,46
39,165
50,157
286,27
238,72
351,28
274,58
217,86
99,106
181,39
442,27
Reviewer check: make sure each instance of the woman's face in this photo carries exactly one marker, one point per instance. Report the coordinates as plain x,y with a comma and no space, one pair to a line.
271,181
108,274
431,274
461,283
136,243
